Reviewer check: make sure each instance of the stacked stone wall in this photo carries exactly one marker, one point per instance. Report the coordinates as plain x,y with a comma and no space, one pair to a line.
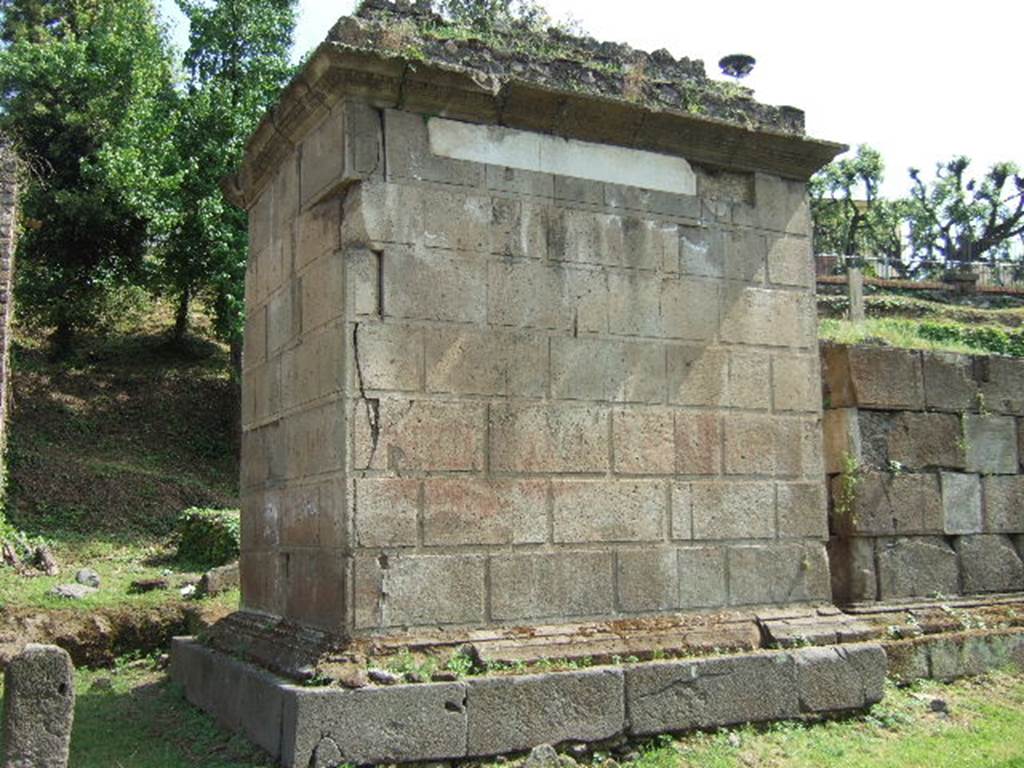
923,451
476,395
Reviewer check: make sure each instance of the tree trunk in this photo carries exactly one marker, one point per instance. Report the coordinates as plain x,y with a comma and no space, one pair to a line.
181,317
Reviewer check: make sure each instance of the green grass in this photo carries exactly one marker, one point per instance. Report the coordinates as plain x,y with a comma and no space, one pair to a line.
926,334
133,716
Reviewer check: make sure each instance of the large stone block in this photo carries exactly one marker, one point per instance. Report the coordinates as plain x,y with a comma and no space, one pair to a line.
473,511
768,318
796,383
527,294
765,445
710,693
313,515
514,715
315,588
926,440
648,580
314,369
790,262
644,441
949,383
745,256
241,697
385,512
702,577
733,510
990,564
778,574
1002,384
916,567
961,503
387,357
376,725
885,504
609,511
344,148
39,707
1004,503
408,154
689,308
418,435
549,438
840,678
991,443
422,284
586,237
317,233
702,251
519,228
872,377
697,443
634,304
469,362
610,371
802,511
552,585
415,590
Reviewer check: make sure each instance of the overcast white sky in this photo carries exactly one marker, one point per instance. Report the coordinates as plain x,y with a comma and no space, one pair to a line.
920,81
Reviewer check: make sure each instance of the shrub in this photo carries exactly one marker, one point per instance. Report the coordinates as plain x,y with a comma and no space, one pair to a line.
208,537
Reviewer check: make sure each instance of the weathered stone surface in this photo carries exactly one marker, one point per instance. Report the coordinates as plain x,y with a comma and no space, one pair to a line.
552,585
1004,503
385,512
768,318
916,567
990,564
549,438
39,707
648,579
406,590
621,510
733,510
702,577
842,442
73,591
466,362
852,565
776,574
240,696
926,440
608,371
644,441
1002,384
396,724
872,377
801,511
697,443
419,435
991,443
509,715
458,512
796,383
840,678
88,577
708,693
886,504
961,503
949,383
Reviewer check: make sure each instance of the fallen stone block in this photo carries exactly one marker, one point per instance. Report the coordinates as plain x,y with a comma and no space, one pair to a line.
39,707
219,580
73,591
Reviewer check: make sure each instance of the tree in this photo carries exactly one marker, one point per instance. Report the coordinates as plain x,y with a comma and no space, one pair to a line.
237,62
956,219
84,85
850,216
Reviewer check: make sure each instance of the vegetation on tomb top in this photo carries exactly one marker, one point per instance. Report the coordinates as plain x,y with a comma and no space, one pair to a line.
509,40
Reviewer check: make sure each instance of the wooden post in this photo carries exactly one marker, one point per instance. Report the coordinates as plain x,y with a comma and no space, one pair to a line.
855,290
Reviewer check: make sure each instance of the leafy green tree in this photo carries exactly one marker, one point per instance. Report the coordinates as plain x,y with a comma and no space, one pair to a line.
850,216
84,85
958,219
237,62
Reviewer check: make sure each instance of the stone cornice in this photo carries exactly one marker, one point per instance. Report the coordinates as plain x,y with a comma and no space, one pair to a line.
337,72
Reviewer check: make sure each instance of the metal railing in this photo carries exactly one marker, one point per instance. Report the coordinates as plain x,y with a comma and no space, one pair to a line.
918,273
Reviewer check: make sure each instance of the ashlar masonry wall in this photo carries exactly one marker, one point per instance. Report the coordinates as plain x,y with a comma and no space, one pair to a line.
478,395
8,243
924,452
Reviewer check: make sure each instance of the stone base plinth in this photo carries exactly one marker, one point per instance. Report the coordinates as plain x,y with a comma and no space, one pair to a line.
487,716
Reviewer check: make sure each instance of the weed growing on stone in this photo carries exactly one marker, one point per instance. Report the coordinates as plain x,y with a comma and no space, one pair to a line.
849,478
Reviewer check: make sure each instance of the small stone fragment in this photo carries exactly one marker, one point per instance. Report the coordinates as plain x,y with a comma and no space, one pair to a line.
39,706
218,580
939,705
88,577
102,684
383,677
147,585
45,561
542,756
73,591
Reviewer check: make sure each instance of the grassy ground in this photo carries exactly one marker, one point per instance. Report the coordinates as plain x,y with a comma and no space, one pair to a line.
892,332
132,716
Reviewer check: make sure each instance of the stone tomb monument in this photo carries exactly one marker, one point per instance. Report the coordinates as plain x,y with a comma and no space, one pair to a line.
529,341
